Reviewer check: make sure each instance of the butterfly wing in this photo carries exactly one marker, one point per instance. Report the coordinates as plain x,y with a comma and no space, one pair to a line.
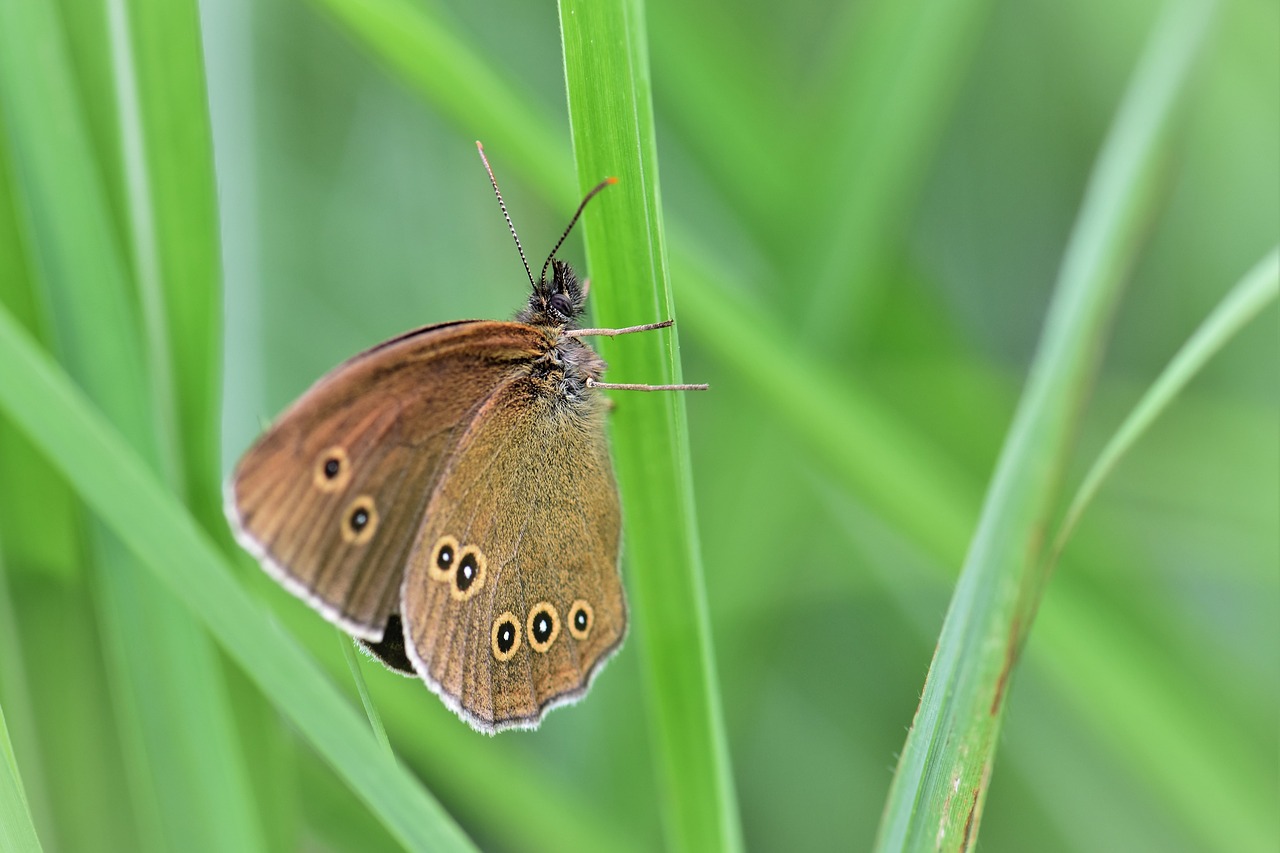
512,598
330,498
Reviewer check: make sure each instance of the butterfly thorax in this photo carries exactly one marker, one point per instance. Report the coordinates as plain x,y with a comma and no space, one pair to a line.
562,371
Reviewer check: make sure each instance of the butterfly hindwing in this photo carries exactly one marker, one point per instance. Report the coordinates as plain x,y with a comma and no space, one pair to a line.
523,528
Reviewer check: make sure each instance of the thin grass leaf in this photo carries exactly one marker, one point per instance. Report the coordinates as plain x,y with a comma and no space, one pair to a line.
168,165
607,75
35,503
1109,673
1260,286
375,721
943,774
141,228
112,480
17,832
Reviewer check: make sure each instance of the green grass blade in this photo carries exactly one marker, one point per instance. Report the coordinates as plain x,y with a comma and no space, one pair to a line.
114,483
370,710
1260,286
612,121
17,832
34,502
168,162
943,773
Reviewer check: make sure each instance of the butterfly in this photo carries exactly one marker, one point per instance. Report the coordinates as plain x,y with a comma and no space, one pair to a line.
447,497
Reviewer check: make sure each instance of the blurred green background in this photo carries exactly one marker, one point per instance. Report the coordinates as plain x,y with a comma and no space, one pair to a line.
888,193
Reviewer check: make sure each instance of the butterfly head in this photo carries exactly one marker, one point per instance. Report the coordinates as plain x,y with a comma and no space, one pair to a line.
557,302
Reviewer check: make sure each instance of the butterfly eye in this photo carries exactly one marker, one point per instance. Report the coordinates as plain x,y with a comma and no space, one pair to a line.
333,470
580,619
443,558
505,639
544,626
561,305
360,521
468,578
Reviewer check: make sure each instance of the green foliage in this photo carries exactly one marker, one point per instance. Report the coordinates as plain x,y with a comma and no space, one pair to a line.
864,207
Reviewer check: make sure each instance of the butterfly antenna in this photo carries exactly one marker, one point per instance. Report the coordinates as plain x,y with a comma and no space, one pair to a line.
598,187
502,204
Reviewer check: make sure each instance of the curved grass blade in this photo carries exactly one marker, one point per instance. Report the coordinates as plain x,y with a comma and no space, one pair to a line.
1260,286
119,488
375,721
612,121
943,774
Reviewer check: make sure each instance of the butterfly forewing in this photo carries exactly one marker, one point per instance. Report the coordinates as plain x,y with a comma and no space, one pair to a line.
331,497
528,511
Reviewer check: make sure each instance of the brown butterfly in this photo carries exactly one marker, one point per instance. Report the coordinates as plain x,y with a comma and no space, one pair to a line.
447,497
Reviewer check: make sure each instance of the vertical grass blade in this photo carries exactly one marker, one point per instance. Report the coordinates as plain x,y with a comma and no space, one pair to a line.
122,491
940,786
607,75
35,504
168,161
